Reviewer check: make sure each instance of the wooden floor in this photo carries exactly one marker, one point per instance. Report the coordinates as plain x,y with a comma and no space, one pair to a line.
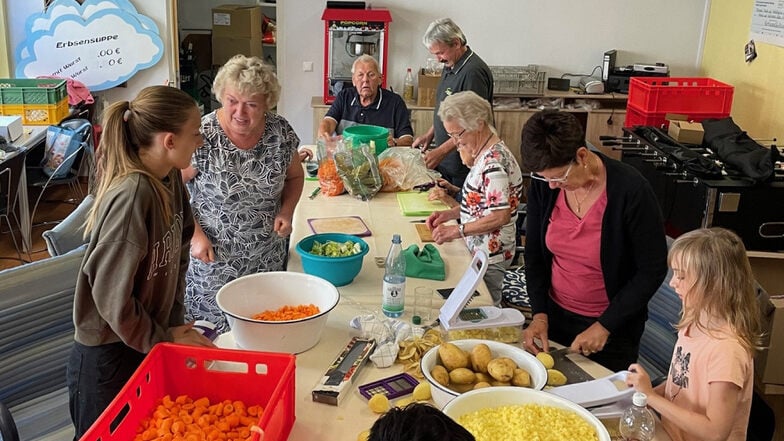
47,212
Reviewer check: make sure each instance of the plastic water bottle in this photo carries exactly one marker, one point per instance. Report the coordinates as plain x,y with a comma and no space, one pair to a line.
394,286
637,422
408,86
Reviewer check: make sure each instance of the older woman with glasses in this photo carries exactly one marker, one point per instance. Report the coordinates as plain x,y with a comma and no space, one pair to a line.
595,249
491,192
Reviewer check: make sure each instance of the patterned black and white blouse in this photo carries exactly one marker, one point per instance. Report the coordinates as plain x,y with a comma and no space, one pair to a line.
235,196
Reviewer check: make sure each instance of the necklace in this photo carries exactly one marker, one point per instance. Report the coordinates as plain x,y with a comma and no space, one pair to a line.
585,196
483,145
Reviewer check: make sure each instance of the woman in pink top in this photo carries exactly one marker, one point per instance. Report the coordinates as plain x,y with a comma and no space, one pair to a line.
595,250
709,387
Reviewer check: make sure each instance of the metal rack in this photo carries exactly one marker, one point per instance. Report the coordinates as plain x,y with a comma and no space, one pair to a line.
518,80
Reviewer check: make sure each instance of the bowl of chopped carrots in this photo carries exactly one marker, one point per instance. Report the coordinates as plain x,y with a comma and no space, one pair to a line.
335,257
277,311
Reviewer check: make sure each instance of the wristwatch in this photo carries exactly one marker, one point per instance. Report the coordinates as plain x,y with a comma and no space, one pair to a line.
460,228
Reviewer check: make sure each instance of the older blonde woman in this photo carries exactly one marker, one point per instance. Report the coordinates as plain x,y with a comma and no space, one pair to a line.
491,191
244,183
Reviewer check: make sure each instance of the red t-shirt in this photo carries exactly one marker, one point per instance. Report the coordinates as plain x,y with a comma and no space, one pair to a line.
577,278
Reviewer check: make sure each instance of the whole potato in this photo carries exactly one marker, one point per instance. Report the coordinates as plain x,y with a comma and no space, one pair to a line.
481,385
460,388
480,356
440,374
509,362
482,377
500,383
500,370
452,357
461,376
521,377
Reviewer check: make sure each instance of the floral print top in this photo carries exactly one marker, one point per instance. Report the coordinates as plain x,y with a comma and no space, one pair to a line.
494,182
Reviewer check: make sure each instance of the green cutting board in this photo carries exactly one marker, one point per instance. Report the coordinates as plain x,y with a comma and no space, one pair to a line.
415,203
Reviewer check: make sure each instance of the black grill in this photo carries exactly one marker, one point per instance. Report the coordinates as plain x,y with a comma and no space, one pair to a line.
695,189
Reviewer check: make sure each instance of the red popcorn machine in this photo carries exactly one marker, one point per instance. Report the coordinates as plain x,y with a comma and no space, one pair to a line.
349,33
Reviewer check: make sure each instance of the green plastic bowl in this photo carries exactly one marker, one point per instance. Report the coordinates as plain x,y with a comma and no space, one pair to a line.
365,133
339,271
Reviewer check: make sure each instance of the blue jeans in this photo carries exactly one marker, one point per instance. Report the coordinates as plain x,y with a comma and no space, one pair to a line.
95,376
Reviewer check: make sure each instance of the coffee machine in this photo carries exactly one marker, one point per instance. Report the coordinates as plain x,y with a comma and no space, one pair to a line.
349,33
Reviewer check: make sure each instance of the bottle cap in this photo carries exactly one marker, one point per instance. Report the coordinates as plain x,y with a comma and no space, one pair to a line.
417,320
640,399
396,238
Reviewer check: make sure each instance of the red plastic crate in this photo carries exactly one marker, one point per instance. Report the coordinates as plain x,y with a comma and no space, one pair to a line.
680,95
636,117
256,378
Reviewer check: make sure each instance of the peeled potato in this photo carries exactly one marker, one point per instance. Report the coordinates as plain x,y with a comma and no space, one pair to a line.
461,376
546,359
422,392
521,378
403,402
500,370
452,357
379,403
440,374
555,377
482,377
480,356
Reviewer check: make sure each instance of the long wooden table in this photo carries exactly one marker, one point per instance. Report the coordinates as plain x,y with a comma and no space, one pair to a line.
383,217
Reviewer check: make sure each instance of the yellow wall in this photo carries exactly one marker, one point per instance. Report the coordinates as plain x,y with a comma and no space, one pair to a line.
4,56
758,106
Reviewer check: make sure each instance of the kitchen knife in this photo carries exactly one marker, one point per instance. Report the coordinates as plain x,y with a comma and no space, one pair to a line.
573,373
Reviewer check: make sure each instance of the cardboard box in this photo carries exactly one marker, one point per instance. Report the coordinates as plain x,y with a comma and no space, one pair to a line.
426,96
10,127
236,21
684,131
224,48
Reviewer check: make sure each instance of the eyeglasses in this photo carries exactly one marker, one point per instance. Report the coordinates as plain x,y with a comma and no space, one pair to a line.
456,136
560,180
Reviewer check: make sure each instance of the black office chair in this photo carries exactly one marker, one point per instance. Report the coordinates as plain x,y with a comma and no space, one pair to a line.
82,161
8,431
9,185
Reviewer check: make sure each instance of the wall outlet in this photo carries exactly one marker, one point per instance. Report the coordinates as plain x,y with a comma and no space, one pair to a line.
307,66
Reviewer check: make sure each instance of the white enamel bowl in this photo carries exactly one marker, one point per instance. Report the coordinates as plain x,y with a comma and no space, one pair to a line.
249,295
475,400
443,395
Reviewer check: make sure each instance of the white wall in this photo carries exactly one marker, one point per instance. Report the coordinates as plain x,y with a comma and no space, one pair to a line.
558,35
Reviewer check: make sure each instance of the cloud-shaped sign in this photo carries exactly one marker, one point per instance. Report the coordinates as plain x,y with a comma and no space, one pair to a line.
101,43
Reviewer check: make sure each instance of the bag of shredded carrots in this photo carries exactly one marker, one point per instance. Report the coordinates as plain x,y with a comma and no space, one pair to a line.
330,182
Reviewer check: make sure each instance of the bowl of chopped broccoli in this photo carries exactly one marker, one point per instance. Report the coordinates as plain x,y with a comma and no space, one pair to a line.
335,257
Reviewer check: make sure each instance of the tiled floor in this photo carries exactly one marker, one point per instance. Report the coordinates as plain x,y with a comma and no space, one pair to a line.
47,212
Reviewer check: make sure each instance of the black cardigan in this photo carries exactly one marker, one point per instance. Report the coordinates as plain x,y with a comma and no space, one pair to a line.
633,250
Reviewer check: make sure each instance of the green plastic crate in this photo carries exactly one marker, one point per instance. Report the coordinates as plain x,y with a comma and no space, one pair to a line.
32,91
